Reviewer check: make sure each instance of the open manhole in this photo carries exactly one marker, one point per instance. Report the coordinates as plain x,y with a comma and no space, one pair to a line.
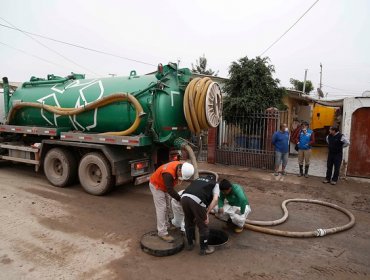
153,245
208,175
217,237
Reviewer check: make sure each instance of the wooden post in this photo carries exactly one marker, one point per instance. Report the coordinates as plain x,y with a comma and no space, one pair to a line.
212,144
272,119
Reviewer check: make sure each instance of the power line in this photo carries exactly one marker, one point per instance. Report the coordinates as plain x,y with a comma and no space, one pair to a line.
346,90
278,39
342,94
30,54
79,46
50,49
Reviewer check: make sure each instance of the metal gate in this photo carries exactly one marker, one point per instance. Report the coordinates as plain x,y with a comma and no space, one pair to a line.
246,140
359,149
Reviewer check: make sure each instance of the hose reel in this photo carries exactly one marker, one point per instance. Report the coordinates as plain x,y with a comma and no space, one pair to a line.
202,104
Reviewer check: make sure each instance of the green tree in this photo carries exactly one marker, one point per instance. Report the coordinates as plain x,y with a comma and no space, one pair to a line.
201,67
251,87
298,85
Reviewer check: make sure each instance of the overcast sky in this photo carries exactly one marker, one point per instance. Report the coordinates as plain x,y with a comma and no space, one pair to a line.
334,32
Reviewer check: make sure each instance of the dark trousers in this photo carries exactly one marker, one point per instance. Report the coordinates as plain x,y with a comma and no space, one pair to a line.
333,160
195,215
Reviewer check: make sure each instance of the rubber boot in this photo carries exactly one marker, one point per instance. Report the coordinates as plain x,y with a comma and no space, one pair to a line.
204,248
190,237
300,171
306,170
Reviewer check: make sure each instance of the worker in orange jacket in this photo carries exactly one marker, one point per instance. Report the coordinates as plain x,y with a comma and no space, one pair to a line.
162,183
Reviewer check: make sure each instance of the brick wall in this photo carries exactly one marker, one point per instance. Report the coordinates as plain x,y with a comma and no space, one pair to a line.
248,159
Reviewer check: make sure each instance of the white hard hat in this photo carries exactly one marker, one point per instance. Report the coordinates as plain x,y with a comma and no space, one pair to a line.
187,170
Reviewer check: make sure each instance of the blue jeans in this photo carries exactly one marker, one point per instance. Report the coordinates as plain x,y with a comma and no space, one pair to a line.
281,157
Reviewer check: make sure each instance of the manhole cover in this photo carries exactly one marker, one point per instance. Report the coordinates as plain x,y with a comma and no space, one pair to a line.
153,245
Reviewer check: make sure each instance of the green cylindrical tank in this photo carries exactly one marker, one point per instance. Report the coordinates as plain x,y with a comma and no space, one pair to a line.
160,94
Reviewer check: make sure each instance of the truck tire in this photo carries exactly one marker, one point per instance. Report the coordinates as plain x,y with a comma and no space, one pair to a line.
60,167
95,174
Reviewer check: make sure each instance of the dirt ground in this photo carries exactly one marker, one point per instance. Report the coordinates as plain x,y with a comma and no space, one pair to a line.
54,233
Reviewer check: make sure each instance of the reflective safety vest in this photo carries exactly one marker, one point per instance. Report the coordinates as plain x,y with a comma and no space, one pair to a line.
203,189
157,179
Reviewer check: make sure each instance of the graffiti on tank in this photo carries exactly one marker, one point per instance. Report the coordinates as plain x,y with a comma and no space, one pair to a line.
42,101
84,98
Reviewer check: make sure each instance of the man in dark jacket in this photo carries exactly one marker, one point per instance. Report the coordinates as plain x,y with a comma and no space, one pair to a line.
197,201
336,142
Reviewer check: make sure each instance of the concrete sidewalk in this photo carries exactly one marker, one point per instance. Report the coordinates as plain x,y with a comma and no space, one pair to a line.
317,166
316,172
245,172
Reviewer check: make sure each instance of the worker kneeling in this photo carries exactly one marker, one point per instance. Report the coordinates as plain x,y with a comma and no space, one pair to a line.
197,201
236,208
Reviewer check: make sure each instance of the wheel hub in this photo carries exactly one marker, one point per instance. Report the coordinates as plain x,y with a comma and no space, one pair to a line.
95,173
58,167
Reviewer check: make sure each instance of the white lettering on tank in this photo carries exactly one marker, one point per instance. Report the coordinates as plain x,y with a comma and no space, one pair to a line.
172,93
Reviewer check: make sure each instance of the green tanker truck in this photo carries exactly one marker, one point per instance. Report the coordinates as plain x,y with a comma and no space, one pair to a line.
105,131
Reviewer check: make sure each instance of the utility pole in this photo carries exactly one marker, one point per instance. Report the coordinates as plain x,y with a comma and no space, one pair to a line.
320,75
304,81
319,91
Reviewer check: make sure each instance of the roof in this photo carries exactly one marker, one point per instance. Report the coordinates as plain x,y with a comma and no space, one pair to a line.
12,85
215,78
298,95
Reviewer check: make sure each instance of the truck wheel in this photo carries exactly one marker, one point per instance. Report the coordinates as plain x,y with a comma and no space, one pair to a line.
95,174
60,167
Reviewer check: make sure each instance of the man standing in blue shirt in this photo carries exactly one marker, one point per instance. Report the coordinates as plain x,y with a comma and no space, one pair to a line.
305,139
280,140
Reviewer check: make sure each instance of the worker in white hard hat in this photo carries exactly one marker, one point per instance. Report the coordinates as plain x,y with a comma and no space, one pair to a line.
162,183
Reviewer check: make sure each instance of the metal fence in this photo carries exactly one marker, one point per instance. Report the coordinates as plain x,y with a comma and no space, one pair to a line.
246,140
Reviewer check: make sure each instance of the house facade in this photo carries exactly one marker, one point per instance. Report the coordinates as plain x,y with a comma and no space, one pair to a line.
356,126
